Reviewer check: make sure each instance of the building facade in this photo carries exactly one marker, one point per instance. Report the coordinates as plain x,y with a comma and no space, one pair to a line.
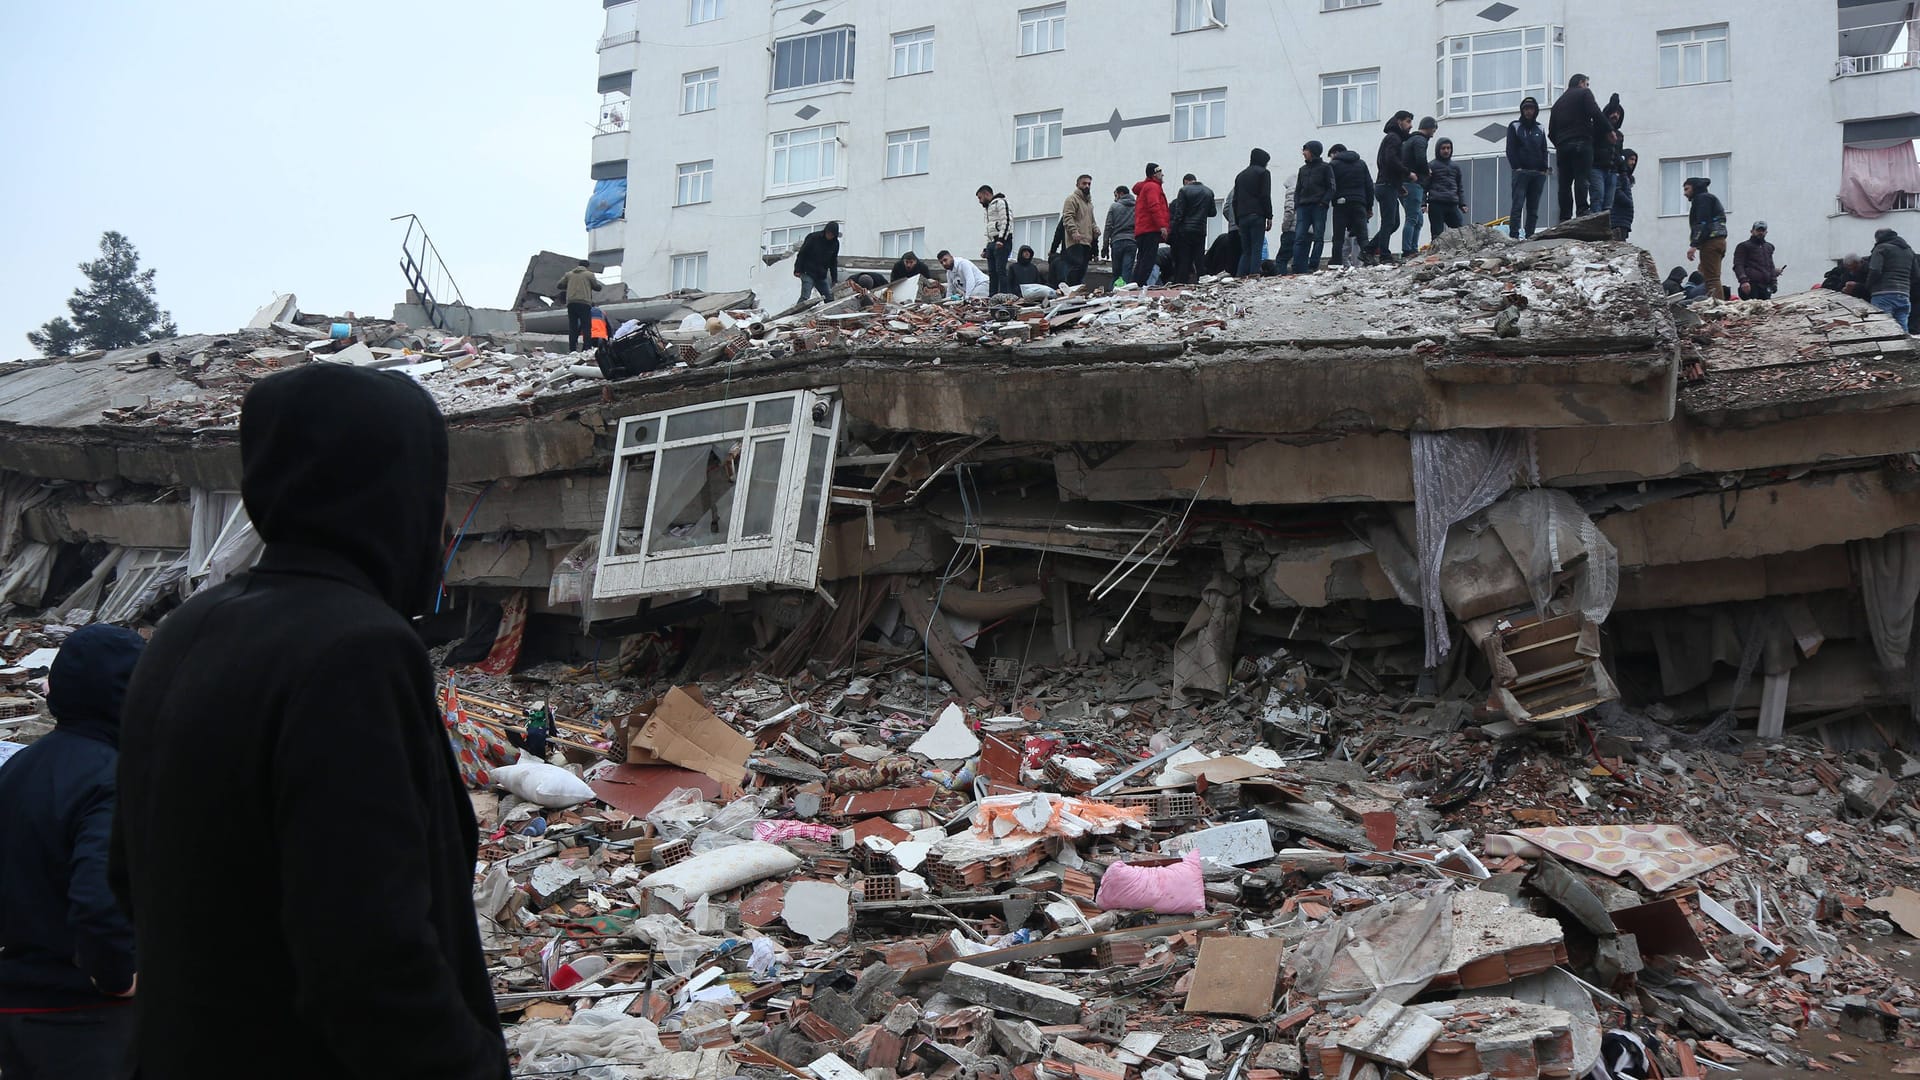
739,126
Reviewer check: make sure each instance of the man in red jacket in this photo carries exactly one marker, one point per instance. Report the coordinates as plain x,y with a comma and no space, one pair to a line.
1151,220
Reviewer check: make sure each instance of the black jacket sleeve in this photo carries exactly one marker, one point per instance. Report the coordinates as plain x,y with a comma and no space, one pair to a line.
1266,194
351,750
103,938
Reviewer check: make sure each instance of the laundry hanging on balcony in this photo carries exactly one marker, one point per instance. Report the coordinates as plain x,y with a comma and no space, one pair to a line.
609,203
1874,180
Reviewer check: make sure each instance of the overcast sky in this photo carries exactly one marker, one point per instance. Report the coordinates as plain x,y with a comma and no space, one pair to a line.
249,149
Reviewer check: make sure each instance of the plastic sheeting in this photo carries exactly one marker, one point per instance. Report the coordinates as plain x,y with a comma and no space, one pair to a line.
1889,571
1873,181
609,203
1455,474
1203,656
1557,534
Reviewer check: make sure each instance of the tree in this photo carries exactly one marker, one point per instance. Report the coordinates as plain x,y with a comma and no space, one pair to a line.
115,310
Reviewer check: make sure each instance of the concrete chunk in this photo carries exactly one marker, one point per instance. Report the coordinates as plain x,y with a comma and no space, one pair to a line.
1004,993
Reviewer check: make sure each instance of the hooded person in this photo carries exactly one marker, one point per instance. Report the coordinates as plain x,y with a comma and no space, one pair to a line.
287,703
66,949
1890,271
818,263
1675,281
1446,191
1312,196
1252,202
1707,232
1528,161
1603,179
1352,203
1151,220
1118,240
1024,276
1189,211
1390,178
1622,213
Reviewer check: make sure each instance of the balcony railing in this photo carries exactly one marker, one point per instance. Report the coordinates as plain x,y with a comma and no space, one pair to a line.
1908,200
1869,50
615,113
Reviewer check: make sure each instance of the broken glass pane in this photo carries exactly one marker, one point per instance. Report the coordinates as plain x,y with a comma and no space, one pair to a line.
817,460
694,504
633,503
714,421
763,486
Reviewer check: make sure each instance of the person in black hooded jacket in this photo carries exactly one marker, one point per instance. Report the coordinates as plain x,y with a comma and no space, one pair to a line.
66,949
1252,200
1446,190
1604,179
1390,176
291,710
1312,195
1352,201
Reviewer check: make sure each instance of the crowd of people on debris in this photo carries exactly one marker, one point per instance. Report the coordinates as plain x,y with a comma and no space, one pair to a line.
1329,207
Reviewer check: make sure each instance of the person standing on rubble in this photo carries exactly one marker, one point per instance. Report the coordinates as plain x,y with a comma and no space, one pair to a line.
1352,204
286,704
1390,178
66,949
1083,236
1570,126
964,280
1190,210
999,225
1753,265
1413,201
1607,140
1707,232
578,285
1527,158
1252,204
1151,219
1890,276
818,263
1446,191
1622,219
1119,236
1312,195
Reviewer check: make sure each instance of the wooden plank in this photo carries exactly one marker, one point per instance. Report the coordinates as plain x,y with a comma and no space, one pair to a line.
948,654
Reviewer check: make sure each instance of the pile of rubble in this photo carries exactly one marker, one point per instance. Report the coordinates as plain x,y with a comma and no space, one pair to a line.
856,874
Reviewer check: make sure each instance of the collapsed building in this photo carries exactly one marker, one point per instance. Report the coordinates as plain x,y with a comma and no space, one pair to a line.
1517,465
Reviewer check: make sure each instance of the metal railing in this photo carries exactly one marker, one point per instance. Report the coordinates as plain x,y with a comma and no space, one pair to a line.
432,283
1908,200
616,112
1862,51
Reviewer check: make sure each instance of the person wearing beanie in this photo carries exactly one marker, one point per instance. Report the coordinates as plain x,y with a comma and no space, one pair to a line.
1252,202
1312,195
1151,220
1413,155
1446,191
1753,265
1390,178
1190,210
1527,158
1707,232
1890,276
1570,126
1352,203
1607,141
66,948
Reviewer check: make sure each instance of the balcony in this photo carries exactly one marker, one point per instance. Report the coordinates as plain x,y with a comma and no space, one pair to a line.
1877,73
612,139
617,65
607,243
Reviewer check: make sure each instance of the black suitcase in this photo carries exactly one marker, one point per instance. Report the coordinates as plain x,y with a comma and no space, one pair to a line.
641,351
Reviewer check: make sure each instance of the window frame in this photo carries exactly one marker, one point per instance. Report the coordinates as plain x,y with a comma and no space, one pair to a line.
787,555
1327,6
1182,114
688,258
832,138
1340,96
716,8
768,247
1199,15
916,237
1048,223
922,151
702,177
1679,49
1550,50
843,74
923,47
692,85
1721,186
1052,16
1042,124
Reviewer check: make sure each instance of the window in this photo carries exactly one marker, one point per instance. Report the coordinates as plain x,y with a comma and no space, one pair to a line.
1035,232
690,271
900,241
1198,15
1036,136
1350,98
1199,114
699,90
1693,56
623,25
789,238
1043,29
719,494
813,59
803,160
699,11
1491,72
913,52
1339,5
907,152
693,183
1673,173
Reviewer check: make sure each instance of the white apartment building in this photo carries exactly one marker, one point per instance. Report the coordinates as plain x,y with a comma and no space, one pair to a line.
739,126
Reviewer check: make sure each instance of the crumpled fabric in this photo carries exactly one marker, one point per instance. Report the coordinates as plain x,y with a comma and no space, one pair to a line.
1456,474
592,1038
775,832
1203,656
476,748
1889,570
1046,814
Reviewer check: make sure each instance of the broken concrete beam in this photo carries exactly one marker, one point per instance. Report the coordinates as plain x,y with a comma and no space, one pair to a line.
1020,1040
1575,896
1391,1034
1616,957
978,985
1867,795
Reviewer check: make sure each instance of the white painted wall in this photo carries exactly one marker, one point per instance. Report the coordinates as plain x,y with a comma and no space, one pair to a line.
1779,115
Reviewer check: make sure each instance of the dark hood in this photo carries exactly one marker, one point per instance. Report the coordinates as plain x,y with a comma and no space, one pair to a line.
1615,111
1529,103
1700,184
1345,157
1126,200
87,684
354,463
1259,157
1443,149
1888,236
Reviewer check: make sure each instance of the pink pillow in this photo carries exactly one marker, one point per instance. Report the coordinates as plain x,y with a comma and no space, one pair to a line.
1167,890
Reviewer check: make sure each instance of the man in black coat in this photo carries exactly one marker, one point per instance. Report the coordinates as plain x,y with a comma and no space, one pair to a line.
66,949
282,748
1189,211
1527,159
1352,201
1390,176
818,263
1252,201
1570,127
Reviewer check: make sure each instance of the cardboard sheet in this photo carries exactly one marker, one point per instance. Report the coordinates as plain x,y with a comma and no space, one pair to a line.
684,732
1236,976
